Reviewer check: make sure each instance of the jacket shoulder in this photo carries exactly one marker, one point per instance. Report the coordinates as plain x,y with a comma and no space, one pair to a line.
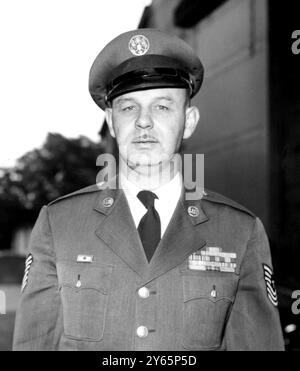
222,200
83,191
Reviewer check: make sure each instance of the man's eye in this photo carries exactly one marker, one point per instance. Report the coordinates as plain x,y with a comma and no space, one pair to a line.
128,108
162,108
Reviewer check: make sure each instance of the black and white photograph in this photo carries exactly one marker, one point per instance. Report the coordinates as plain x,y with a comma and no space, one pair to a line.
150,178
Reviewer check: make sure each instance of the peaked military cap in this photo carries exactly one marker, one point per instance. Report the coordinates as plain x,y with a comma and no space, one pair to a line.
144,59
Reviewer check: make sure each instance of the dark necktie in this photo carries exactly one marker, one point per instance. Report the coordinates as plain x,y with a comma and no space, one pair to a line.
149,227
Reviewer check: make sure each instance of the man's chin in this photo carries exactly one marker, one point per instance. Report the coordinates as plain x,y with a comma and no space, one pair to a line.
142,159
135,164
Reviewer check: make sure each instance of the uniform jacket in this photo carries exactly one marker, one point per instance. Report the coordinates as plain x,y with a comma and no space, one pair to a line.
187,309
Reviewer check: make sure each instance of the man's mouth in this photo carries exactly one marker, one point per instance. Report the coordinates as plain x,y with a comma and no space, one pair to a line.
145,139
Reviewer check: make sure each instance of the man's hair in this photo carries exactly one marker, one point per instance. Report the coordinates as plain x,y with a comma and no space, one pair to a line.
187,102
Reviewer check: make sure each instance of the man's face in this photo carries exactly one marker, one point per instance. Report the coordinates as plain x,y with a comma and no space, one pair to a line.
149,125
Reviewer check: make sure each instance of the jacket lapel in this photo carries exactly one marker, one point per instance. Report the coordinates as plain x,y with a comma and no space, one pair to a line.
181,239
118,230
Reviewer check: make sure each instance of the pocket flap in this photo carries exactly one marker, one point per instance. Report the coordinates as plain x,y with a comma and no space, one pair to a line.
213,287
85,276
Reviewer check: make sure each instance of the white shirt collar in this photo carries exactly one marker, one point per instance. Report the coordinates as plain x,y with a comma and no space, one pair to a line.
168,196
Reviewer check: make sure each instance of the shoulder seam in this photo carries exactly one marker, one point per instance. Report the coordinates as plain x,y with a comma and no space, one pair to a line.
222,200
83,191
51,233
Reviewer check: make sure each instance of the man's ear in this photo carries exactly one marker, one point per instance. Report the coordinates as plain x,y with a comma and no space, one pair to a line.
192,117
108,117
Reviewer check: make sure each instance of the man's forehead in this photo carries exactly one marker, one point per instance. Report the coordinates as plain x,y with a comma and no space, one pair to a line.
169,94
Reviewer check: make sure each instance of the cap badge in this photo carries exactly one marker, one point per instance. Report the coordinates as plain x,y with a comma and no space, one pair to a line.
139,45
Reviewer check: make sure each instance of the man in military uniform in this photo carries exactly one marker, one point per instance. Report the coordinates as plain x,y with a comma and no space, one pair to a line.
141,266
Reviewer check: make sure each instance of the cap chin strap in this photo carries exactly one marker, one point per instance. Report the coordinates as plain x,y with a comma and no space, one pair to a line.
149,78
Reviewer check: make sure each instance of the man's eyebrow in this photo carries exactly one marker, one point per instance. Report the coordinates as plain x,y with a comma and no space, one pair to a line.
165,97
126,100
123,100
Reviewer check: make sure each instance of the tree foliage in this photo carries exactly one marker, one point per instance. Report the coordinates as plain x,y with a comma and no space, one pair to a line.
61,166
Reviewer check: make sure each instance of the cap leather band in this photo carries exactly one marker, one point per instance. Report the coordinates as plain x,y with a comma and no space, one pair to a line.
141,79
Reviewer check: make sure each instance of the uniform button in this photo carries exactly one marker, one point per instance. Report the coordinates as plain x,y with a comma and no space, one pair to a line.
144,293
142,332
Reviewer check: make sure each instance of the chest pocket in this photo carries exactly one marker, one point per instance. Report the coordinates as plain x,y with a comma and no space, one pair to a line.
208,297
84,292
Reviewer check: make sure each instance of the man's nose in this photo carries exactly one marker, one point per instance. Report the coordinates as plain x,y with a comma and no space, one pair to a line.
144,120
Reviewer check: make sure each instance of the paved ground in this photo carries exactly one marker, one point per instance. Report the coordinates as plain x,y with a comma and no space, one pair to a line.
11,274
9,298
6,330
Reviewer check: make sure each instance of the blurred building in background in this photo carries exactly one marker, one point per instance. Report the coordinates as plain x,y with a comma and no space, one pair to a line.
249,105
250,111
232,42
